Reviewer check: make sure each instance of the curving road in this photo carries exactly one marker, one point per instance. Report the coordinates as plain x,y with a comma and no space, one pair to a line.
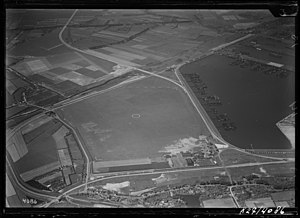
24,188
200,111
212,129
160,172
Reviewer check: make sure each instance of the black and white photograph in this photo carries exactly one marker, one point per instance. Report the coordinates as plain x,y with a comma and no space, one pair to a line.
150,108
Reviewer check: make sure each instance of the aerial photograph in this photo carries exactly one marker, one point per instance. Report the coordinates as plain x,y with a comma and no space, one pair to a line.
149,108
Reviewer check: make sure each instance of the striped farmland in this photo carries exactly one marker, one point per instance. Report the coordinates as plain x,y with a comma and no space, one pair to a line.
16,146
40,171
10,191
59,137
13,152
64,157
99,165
50,177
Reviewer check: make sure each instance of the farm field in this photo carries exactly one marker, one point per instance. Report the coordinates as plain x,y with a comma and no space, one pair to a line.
66,73
15,121
219,203
135,121
43,46
106,65
270,50
41,150
84,108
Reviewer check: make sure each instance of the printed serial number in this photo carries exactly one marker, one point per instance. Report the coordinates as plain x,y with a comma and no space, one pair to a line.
29,201
262,210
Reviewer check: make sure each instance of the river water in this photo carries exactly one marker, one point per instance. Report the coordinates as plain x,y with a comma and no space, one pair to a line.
254,101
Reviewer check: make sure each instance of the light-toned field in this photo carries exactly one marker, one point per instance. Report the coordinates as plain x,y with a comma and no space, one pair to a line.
264,170
232,156
219,203
101,55
112,130
65,72
289,132
39,171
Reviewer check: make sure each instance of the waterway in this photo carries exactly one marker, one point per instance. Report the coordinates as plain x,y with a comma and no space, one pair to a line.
254,101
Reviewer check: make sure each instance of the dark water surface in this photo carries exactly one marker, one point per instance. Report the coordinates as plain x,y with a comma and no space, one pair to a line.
255,102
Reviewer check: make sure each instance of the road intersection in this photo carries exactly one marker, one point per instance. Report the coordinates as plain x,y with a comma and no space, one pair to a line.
180,84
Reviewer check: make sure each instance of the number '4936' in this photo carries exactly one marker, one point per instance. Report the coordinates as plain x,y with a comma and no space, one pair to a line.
29,201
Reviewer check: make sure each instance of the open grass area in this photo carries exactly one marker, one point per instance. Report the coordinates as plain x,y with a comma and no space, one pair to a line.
135,121
282,153
280,168
42,46
219,203
141,182
67,73
232,156
263,170
106,65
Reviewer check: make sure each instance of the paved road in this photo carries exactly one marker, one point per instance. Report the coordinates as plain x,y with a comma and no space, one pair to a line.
233,196
174,82
162,77
201,111
93,94
160,172
73,200
206,119
82,148
10,133
24,188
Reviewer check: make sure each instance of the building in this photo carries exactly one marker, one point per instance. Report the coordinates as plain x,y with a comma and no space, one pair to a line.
219,146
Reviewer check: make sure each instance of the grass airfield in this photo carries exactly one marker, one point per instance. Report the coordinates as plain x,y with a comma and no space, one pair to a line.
135,121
